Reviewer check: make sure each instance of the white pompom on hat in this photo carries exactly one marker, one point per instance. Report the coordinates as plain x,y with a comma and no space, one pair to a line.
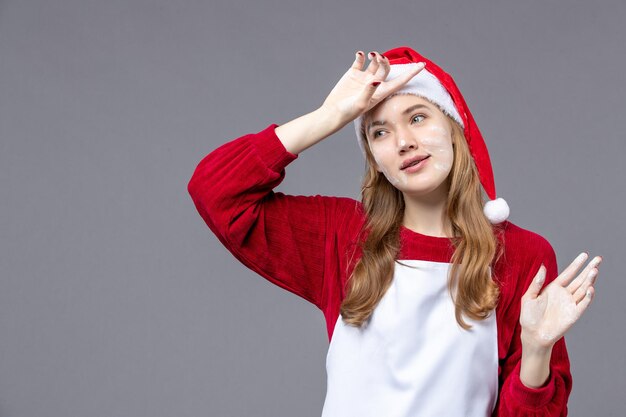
435,85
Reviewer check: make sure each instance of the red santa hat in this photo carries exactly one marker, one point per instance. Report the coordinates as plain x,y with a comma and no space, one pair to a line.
435,85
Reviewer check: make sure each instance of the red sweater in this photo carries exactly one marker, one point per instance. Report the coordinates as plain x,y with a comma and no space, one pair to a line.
304,245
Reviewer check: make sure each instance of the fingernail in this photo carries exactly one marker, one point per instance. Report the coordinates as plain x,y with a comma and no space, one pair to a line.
582,256
588,293
375,83
372,54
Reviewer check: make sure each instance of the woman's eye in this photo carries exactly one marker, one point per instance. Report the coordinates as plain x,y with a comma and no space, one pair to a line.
375,134
417,115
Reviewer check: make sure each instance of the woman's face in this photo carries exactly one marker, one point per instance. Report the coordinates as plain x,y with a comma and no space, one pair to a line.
406,126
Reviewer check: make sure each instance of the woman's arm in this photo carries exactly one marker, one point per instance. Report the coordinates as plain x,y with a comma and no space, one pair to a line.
287,239
309,129
517,397
537,372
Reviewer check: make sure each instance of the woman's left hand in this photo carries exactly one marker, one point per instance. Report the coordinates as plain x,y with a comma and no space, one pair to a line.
545,317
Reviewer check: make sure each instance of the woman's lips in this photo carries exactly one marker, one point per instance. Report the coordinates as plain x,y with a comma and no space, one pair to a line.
416,167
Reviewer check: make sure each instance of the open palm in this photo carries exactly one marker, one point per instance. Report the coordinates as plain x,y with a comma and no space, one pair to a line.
545,317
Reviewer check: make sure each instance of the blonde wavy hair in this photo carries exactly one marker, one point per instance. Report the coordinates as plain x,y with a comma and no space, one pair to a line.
475,240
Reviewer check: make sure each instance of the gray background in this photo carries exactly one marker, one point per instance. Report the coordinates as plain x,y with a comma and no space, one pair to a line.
116,299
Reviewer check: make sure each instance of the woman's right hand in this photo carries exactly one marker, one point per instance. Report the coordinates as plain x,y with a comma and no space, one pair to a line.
359,90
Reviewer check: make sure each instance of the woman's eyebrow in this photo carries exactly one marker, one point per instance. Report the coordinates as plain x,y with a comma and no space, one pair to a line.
408,110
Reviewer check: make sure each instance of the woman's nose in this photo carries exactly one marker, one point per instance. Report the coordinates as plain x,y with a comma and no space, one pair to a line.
405,138
406,142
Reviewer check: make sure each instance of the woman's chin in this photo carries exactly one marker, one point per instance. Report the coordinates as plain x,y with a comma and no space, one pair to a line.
421,190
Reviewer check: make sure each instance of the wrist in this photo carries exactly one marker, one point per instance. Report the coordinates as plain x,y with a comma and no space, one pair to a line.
535,367
536,353
332,117
307,130
535,345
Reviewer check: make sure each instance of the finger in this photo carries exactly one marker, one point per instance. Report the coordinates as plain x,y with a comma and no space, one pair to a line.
397,83
582,289
384,68
587,299
359,60
367,92
537,283
568,273
584,275
373,66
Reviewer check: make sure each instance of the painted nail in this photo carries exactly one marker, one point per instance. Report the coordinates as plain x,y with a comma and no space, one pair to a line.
375,83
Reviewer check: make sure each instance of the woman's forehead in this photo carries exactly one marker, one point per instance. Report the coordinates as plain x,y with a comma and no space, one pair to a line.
397,103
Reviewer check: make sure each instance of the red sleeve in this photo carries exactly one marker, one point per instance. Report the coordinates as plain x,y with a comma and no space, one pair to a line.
284,238
516,399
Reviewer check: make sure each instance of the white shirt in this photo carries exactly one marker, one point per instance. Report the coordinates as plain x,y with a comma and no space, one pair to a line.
412,359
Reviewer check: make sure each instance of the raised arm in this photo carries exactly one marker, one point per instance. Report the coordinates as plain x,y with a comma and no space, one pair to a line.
283,238
537,381
287,239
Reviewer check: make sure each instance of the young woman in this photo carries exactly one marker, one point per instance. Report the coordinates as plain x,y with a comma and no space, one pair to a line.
434,304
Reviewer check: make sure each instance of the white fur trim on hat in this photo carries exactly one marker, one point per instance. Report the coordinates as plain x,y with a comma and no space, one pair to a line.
496,210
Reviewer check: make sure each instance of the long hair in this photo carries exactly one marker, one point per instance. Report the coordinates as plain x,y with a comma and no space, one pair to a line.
475,240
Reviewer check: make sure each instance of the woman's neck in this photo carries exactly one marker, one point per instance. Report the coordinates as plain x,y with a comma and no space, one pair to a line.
427,214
